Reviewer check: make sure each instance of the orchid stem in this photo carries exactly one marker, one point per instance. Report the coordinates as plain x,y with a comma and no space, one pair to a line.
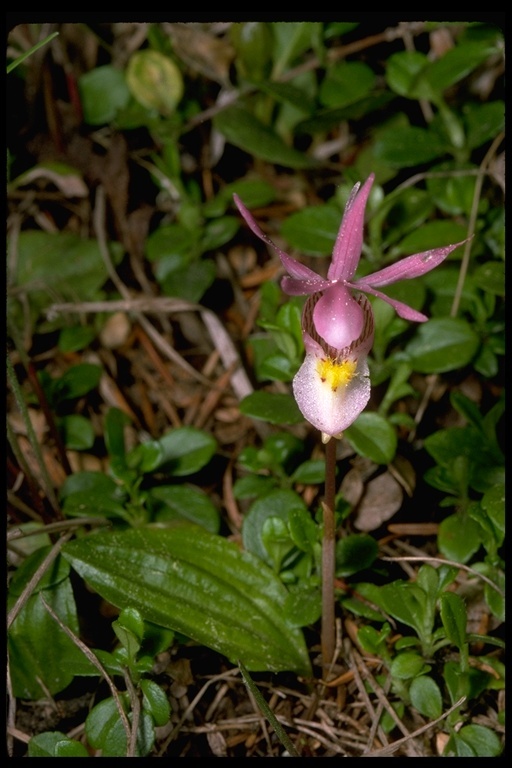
328,557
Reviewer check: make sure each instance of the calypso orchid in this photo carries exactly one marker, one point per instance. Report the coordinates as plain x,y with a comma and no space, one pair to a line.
332,386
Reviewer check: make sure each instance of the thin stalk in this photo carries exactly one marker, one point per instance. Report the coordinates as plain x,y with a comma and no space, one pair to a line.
20,402
328,557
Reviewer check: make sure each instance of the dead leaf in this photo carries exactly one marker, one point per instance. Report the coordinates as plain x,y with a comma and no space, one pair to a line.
217,743
208,55
382,498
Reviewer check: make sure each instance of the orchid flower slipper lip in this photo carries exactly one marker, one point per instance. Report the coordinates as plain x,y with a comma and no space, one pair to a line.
332,386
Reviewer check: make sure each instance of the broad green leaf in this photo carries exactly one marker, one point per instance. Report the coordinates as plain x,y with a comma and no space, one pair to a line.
313,230
277,367
77,381
491,277
433,234
493,502
474,741
60,264
426,697
303,605
407,145
103,92
459,538
184,502
189,282
279,504
442,344
115,422
407,665
42,657
74,338
155,702
55,744
254,192
405,601
291,39
373,437
326,119
310,472
290,94
94,503
345,83
105,731
252,41
218,232
458,62
77,431
245,131
303,530
355,553
483,121
180,452
198,584
253,485
85,482
172,240
454,618
276,408
405,75
129,629
453,191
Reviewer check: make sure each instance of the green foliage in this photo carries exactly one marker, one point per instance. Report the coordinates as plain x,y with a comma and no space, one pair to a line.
198,584
270,112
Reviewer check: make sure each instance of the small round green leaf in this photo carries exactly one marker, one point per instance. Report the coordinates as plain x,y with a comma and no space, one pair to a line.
55,744
373,437
103,93
442,344
313,230
481,740
155,702
275,408
407,665
426,697
355,553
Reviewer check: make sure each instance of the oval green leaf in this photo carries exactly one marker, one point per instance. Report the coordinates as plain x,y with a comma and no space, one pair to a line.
273,407
245,131
442,344
426,697
373,437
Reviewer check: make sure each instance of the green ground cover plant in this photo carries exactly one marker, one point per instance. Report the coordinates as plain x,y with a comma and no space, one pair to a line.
195,568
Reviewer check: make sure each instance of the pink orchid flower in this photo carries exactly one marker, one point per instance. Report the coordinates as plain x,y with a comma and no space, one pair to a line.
332,386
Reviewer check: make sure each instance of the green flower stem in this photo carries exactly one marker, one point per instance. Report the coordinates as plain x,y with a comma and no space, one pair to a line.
328,557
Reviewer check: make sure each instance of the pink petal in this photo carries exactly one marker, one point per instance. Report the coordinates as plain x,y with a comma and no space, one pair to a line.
294,287
337,317
404,310
405,269
299,272
330,411
349,242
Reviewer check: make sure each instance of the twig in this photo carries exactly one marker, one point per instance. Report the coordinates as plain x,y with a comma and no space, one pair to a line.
397,744
96,663
36,578
16,390
472,222
441,561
